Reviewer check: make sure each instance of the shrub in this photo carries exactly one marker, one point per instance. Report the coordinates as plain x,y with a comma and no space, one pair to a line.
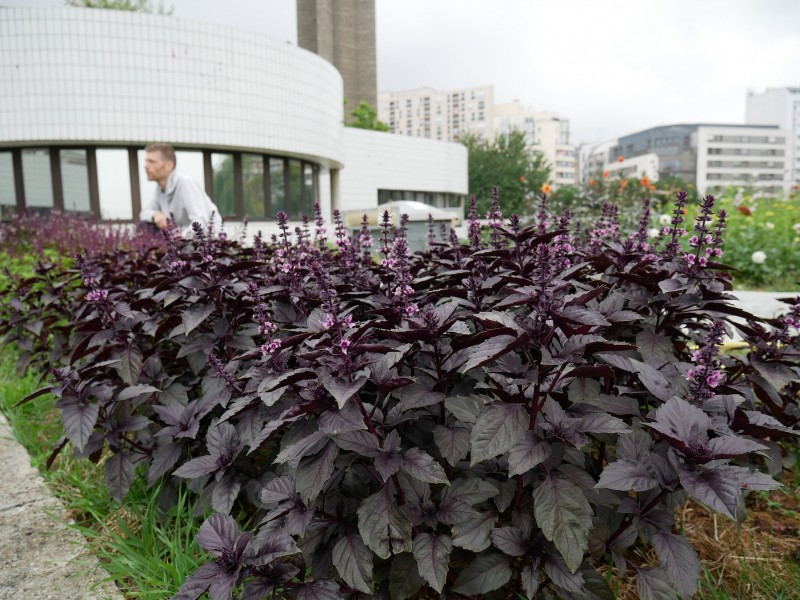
483,420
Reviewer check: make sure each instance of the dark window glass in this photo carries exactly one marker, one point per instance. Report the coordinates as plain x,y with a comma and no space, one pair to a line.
75,179
37,178
8,189
295,204
309,198
224,198
114,184
277,185
253,185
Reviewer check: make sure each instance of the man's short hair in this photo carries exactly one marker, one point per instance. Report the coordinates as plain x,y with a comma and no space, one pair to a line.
166,150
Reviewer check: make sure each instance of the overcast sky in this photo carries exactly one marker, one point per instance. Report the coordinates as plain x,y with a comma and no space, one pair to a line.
610,66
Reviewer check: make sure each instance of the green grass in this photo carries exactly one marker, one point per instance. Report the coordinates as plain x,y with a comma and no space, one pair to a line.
148,552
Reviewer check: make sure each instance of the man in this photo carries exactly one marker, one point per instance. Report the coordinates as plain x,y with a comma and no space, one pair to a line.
177,194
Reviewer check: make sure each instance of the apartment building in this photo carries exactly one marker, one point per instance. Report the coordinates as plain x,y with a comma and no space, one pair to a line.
715,156
781,107
438,114
593,157
547,133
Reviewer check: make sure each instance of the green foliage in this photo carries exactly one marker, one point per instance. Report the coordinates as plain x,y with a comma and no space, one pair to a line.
365,116
767,225
510,163
142,6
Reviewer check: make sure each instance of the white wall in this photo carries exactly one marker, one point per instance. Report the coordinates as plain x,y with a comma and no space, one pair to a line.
375,160
108,76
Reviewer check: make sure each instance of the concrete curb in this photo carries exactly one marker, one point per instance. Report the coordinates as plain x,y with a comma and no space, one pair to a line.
40,559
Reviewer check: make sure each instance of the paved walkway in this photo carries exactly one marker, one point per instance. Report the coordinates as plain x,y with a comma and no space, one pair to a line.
40,559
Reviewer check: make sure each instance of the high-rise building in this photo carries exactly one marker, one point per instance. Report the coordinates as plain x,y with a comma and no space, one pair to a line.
781,107
715,156
438,114
343,33
546,132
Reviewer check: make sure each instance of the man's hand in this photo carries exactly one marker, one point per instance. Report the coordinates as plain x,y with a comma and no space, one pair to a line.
160,220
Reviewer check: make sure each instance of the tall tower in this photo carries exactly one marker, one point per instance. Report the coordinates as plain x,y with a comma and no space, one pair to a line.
343,33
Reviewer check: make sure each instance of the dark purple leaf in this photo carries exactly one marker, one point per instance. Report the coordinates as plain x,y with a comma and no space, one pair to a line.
432,553
307,446
197,583
119,475
220,534
79,421
197,467
530,581
616,405
475,534
344,420
419,464
319,589
404,578
486,573
510,540
602,423
195,315
269,545
564,577
278,490
387,463
466,408
526,454
634,446
130,364
454,510
653,584
353,561
472,490
313,473
626,475
136,390
679,560
453,443
490,350
497,429
655,348
712,487
564,516
416,397
585,316
679,420
225,493
653,380
165,456
383,526
729,446
342,390
360,442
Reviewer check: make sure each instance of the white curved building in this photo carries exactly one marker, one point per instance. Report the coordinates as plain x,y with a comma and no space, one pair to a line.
259,122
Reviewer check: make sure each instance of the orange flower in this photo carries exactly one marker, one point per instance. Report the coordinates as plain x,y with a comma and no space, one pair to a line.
645,181
605,174
623,183
522,179
744,210
651,187
620,158
592,182
546,188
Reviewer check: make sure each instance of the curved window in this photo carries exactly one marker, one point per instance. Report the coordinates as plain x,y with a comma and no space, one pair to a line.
8,188
112,184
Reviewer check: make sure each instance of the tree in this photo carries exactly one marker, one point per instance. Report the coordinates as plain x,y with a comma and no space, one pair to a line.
142,6
510,163
366,117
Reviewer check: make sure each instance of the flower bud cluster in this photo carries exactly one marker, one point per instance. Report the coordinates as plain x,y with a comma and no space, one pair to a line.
706,375
96,295
219,369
